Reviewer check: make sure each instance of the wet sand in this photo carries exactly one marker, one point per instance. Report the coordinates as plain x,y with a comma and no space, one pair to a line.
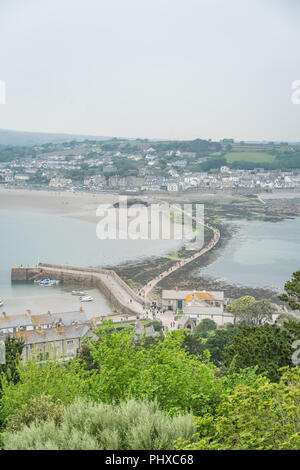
81,206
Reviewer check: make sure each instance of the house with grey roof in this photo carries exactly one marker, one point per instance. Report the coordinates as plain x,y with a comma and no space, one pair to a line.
59,342
28,322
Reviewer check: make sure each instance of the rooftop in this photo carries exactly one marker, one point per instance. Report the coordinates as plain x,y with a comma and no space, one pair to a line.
182,294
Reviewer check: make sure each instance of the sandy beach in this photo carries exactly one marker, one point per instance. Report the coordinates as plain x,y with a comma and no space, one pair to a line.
81,206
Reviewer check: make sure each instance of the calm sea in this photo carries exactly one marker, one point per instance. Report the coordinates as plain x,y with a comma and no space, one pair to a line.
26,238
261,254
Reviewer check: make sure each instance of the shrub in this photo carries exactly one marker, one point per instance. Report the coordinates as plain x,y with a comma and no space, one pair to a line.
38,409
60,382
265,416
132,425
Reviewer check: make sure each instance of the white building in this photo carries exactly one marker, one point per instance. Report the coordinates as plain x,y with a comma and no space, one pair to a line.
59,182
172,187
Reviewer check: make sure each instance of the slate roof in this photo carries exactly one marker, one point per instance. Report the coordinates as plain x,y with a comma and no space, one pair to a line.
15,321
50,335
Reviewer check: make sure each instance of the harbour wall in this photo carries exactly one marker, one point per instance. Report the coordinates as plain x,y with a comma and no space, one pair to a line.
118,293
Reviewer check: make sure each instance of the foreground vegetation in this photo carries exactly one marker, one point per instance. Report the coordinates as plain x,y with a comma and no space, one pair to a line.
234,388
156,386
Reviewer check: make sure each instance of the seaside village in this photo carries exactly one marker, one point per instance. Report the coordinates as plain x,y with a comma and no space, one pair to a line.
60,335
143,168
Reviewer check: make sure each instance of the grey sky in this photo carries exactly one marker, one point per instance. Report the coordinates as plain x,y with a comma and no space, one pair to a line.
151,68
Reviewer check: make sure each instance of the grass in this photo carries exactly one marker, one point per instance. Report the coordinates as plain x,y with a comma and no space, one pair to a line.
255,157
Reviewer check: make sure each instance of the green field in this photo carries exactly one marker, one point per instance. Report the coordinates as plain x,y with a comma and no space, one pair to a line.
255,157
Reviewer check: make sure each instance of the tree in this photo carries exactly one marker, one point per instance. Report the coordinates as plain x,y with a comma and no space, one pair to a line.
266,346
292,289
239,304
205,326
285,318
251,311
193,344
217,343
165,371
13,352
257,313
260,416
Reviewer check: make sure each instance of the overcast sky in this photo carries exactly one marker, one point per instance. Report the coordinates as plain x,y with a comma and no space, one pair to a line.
178,69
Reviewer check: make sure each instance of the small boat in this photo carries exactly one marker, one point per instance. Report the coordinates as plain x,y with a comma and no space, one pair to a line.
1,302
48,282
87,298
79,292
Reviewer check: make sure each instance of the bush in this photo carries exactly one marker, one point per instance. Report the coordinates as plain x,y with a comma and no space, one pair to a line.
38,409
132,425
265,416
60,382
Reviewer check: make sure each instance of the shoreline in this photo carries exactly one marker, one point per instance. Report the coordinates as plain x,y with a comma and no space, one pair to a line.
189,278
82,206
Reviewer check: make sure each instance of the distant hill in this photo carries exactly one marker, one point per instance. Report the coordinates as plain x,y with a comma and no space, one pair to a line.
8,137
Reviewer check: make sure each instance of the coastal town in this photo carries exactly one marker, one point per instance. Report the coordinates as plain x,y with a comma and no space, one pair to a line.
150,167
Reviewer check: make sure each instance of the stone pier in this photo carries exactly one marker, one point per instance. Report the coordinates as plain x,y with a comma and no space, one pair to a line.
118,293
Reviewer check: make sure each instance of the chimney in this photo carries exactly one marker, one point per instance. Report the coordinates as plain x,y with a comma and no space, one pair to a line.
40,329
3,315
58,325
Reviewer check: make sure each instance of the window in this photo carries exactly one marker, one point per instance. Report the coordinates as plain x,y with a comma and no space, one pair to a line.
70,341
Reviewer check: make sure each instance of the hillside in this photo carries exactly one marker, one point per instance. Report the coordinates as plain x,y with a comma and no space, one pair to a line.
19,138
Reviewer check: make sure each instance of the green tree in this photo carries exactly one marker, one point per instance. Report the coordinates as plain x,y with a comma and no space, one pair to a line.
251,311
266,346
165,371
217,343
193,344
292,289
286,317
13,352
261,416
205,326
239,304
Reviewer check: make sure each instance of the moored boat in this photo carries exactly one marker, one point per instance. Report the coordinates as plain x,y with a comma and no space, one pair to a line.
48,282
87,298
79,292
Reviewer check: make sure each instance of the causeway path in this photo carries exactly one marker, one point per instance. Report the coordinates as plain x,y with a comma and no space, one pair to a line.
151,284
